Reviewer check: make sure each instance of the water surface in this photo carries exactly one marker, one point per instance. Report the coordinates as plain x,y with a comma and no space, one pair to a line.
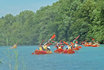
87,58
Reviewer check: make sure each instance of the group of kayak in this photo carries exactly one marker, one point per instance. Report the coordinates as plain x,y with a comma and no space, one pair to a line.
61,47
91,44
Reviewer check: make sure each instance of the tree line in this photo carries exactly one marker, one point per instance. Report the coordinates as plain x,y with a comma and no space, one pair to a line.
65,18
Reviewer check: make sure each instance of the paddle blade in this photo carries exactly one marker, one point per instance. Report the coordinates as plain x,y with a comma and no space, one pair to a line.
93,39
76,42
72,43
65,42
53,36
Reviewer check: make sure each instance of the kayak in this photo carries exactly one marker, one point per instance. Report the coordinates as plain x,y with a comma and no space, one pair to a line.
95,45
38,52
14,46
79,47
87,45
76,48
69,51
59,50
91,45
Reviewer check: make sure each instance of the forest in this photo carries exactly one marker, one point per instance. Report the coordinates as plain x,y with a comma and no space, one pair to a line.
65,18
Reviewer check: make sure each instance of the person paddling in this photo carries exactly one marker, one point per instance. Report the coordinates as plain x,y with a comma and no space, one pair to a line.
68,47
76,44
40,48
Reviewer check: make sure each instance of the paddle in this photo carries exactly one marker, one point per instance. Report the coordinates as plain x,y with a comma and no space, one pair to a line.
93,39
41,42
53,36
65,43
55,43
60,43
77,37
49,44
68,44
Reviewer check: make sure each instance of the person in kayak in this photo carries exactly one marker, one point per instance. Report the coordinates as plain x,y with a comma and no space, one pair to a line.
90,43
76,44
68,47
59,45
48,48
44,47
40,48
96,43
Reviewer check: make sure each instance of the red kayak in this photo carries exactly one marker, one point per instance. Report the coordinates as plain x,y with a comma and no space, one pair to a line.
95,45
38,52
68,51
87,45
76,48
91,45
59,50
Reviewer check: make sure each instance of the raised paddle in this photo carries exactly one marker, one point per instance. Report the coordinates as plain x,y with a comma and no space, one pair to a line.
53,36
77,37
65,43
41,42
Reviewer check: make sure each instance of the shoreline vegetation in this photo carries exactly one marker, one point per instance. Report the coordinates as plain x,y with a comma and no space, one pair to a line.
65,18
37,45
13,57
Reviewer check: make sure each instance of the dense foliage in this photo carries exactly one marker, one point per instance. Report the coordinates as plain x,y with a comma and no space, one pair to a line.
66,18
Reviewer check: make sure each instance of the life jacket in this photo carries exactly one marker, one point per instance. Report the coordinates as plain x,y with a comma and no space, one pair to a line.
40,48
45,47
76,45
59,47
69,47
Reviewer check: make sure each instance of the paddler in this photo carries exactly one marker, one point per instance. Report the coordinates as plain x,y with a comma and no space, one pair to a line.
44,47
90,43
40,48
97,43
76,44
59,46
48,48
68,47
